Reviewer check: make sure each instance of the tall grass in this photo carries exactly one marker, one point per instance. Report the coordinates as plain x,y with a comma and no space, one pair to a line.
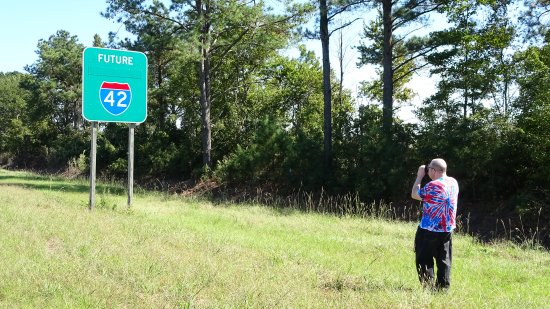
319,202
535,234
168,251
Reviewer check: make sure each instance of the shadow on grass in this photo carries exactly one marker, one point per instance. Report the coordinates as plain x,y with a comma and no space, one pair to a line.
341,284
55,184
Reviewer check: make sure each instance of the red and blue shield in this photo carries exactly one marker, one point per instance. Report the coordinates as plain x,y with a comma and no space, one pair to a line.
115,97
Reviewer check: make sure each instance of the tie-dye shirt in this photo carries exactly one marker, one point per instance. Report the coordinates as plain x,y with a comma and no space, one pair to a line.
439,200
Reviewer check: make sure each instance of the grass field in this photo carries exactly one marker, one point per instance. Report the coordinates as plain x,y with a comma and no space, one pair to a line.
174,252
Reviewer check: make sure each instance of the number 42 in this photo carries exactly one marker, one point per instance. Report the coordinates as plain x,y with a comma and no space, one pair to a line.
111,100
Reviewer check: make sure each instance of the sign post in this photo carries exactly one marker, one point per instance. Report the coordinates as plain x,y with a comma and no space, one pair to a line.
130,163
93,165
114,89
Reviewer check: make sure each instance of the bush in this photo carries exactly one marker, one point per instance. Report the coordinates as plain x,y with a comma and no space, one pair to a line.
265,159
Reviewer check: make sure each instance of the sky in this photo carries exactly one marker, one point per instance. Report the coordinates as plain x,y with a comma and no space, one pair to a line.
24,22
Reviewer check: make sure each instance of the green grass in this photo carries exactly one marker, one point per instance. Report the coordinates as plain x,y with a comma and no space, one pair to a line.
168,251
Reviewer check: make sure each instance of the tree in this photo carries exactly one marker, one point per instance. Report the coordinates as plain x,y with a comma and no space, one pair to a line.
213,29
536,19
372,54
472,57
327,89
284,142
97,41
342,48
395,17
12,114
534,114
58,78
54,104
503,32
328,11
469,120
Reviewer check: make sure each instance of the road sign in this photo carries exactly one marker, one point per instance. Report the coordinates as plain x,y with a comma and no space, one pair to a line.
114,85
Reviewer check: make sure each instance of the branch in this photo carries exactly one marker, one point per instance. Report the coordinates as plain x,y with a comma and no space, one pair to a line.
345,7
404,21
539,17
238,39
135,11
413,58
343,26
408,33
230,46
409,72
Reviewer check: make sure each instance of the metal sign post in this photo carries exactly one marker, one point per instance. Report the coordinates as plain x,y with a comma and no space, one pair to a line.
130,162
93,165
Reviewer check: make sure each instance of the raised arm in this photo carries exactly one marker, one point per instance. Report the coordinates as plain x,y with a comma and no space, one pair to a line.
419,175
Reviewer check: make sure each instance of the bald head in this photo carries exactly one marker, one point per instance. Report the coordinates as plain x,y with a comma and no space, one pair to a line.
440,165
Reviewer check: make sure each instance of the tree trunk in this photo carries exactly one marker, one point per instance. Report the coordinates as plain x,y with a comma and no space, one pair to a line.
465,107
327,95
204,85
387,98
205,113
341,64
160,97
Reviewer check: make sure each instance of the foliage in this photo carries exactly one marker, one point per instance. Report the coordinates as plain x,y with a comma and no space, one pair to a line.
371,52
471,56
397,54
12,114
533,136
264,160
57,83
377,166
216,31
44,129
535,20
293,130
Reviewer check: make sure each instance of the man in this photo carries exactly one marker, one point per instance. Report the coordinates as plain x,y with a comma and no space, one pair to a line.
433,237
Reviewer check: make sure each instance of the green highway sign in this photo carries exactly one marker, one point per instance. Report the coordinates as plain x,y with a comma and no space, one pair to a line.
114,85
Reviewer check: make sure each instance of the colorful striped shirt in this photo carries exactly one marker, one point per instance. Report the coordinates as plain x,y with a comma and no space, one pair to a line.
439,200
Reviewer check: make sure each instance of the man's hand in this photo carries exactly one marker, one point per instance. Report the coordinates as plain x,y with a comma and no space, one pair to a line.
421,172
419,175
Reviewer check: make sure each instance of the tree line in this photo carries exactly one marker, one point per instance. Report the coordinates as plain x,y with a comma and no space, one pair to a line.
225,102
